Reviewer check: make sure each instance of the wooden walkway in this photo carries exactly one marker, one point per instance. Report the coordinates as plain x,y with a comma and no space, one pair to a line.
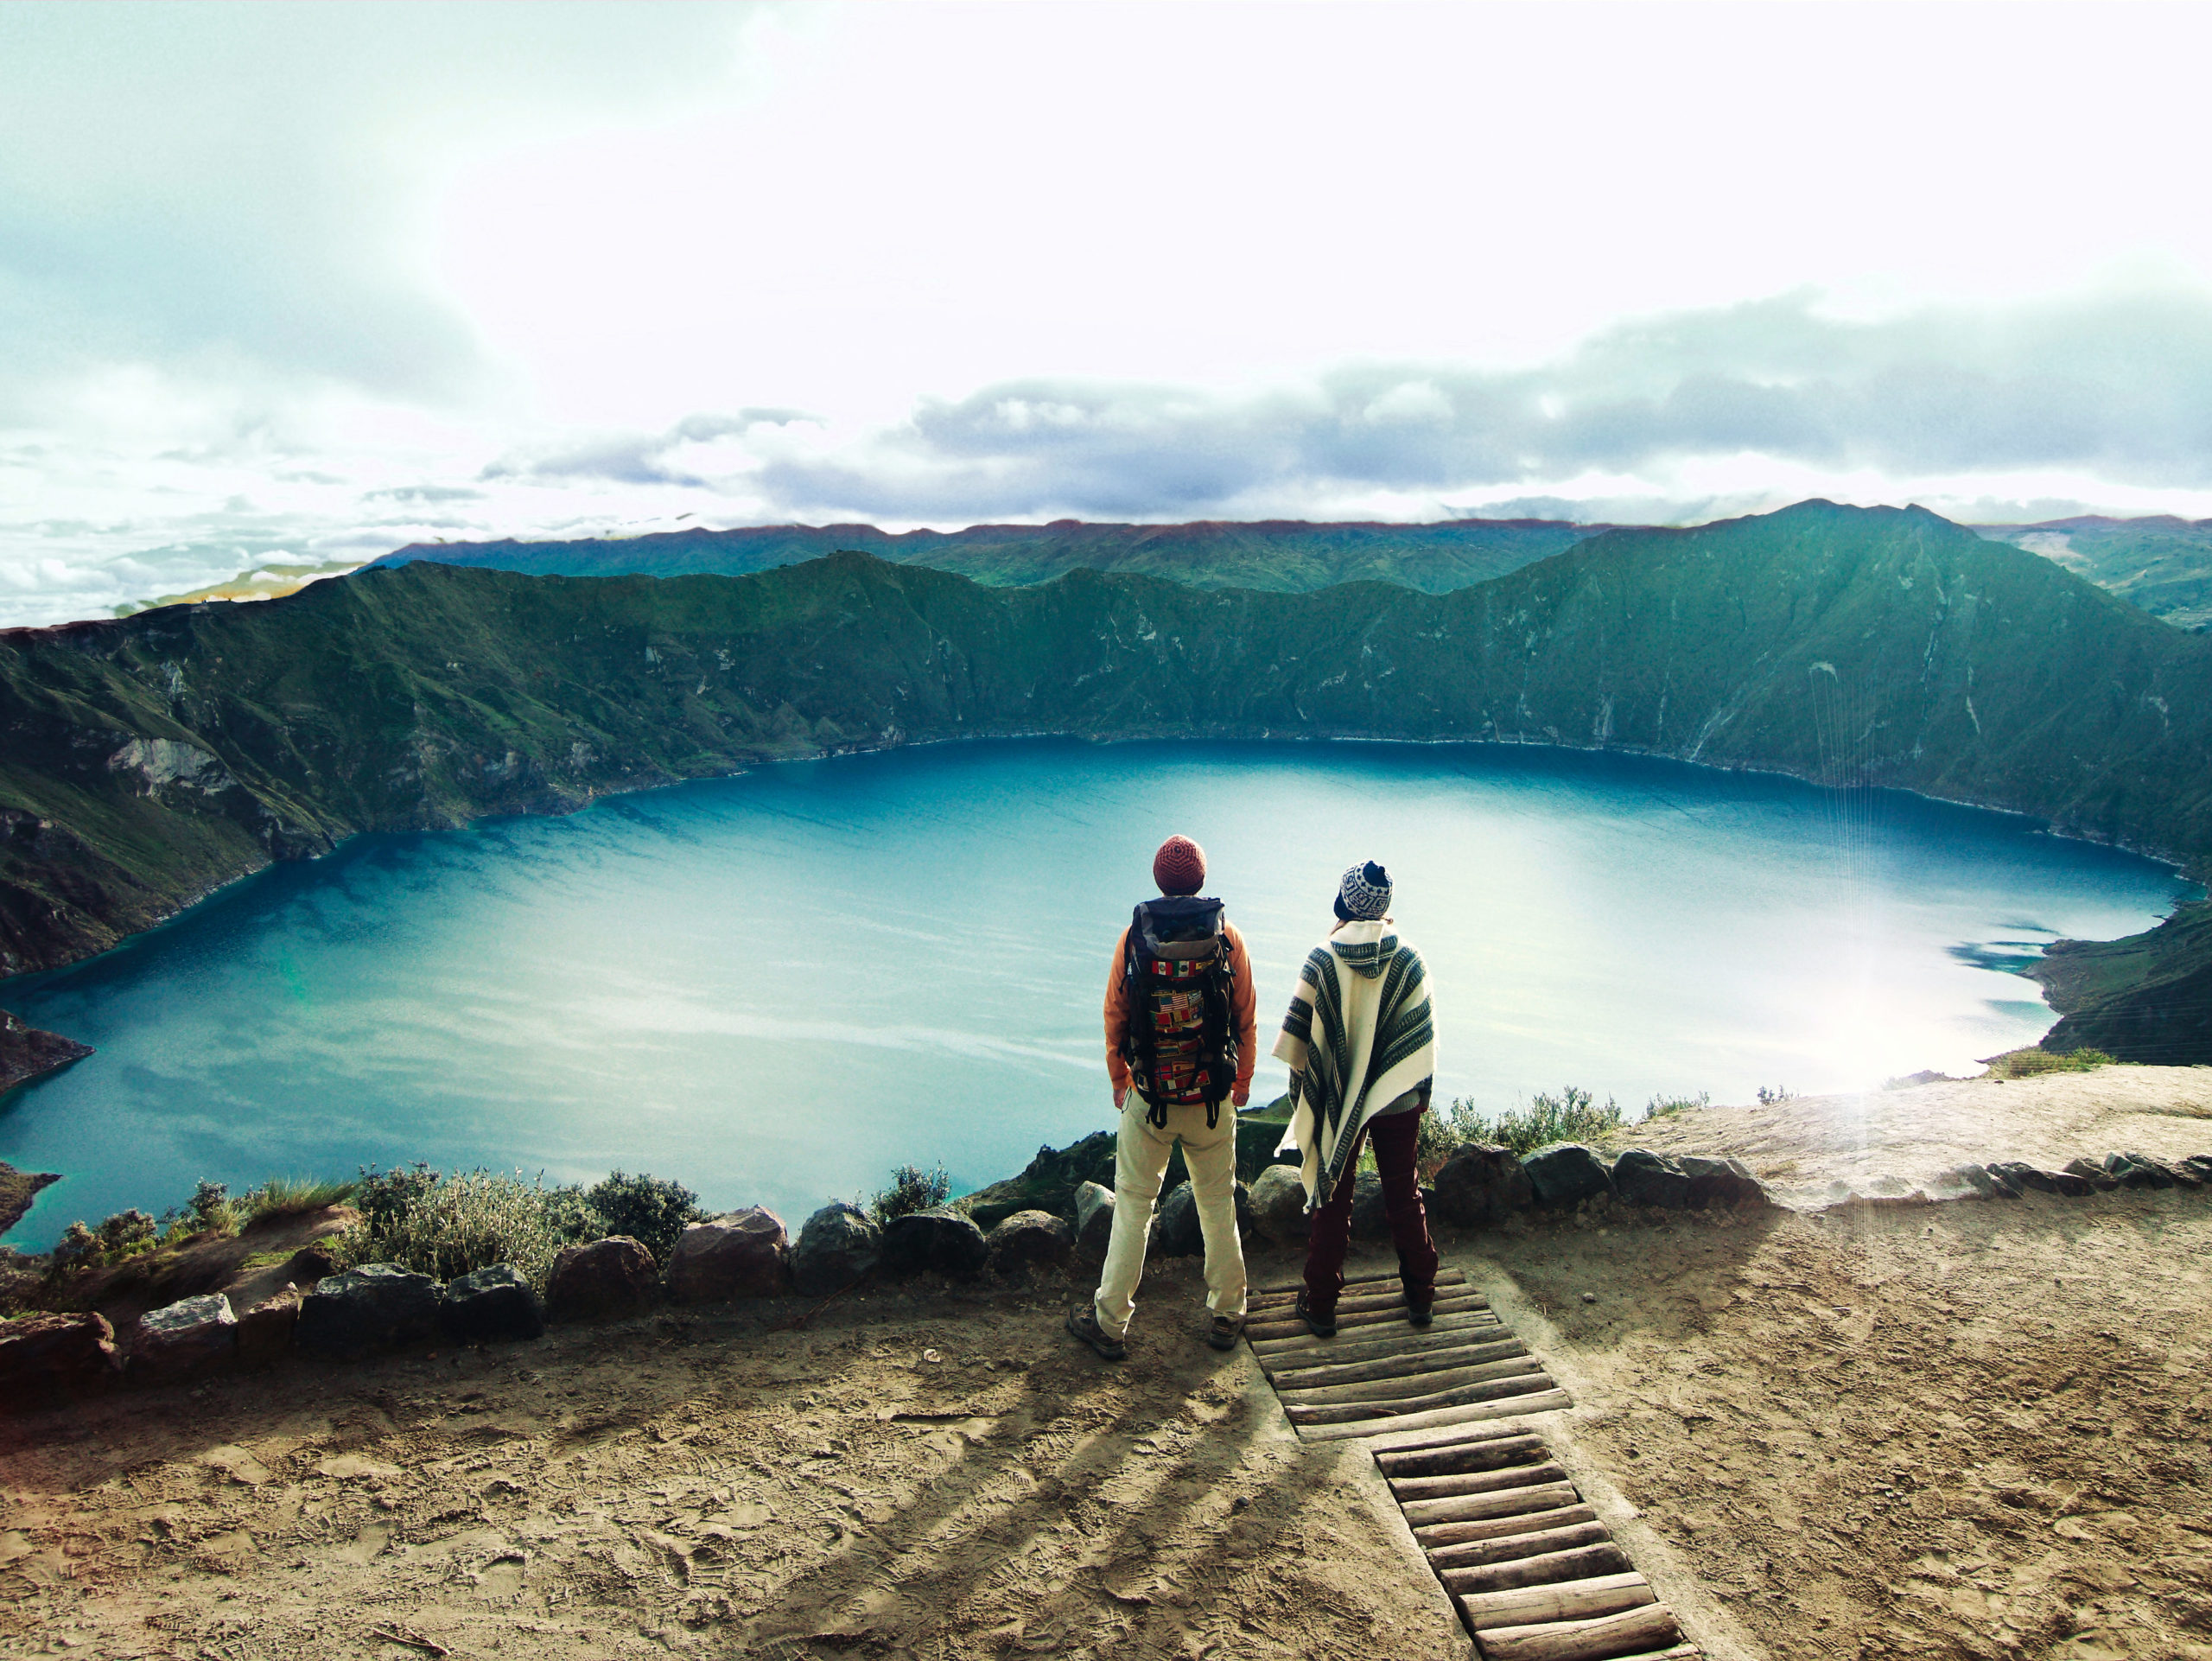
1534,1574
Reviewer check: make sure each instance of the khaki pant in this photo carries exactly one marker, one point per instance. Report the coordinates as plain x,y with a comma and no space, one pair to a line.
1140,1160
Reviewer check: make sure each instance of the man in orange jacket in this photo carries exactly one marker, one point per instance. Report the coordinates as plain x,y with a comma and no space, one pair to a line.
1181,1038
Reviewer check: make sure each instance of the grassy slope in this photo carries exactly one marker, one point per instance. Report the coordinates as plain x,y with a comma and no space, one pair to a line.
2162,564
1289,556
1880,645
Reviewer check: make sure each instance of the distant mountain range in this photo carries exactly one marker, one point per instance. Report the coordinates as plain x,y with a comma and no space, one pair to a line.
150,758
1281,555
2162,565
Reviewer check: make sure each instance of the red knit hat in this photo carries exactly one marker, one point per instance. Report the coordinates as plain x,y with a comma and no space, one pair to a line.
1180,867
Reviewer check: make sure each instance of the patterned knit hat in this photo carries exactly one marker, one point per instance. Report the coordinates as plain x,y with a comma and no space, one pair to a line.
1180,867
1365,894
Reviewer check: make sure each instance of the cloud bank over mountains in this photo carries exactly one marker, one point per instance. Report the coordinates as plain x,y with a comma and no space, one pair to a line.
312,283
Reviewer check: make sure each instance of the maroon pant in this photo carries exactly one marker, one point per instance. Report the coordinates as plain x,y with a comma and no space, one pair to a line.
1393,1140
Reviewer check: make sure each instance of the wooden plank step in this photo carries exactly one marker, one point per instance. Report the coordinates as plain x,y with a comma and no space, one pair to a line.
1551,1402
1531,1382
1292,1288
1509,1547
1382,1344
1619,1633
1600,1596
1309,1372
1477,1507
1514,1450
1547,1568
1398,1456
1408,1384
1436,1535
1270,1328
1536,1466
1468,1320
1361,1295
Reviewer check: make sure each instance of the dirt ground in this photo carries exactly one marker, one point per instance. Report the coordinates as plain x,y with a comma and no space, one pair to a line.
907,1475
1814,1150
1979,1428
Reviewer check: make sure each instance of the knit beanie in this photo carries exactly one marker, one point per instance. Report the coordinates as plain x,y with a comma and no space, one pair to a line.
1365,894
1180,867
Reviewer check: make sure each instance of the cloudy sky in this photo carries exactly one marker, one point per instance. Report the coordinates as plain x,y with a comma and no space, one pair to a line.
306,283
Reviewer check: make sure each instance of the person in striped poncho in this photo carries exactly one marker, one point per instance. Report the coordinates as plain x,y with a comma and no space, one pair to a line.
1362,1054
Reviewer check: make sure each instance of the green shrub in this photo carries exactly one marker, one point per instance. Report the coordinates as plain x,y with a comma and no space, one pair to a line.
2034,1060
1570,1115
456,1224
124,1234
385,1197
649,1209
911,1189
1664,1107
292,1196
1775,1096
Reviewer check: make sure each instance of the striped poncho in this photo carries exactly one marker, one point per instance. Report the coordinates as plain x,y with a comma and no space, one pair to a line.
1357,1038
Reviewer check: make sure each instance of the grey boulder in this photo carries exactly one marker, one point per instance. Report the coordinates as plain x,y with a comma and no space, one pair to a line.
1566,1174
837,1247
361,1310
1481,1184
188,1340
265,1330
49,1359
1721,1183
742,1254
1644,1178
1370,1221
607,1279
1094,1217
1175,1231
491,1305
2138,1171
2093,1173
1027,1240
940,1238
1279,1205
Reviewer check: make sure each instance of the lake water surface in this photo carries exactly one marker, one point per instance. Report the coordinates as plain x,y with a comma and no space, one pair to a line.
775,987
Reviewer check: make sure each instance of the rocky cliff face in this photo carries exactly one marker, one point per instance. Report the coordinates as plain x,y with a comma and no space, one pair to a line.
143,762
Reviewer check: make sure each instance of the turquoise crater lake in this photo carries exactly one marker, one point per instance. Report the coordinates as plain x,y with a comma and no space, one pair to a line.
775,987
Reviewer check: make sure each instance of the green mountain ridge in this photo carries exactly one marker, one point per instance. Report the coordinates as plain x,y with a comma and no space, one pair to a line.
2162,564
151,758
1286,555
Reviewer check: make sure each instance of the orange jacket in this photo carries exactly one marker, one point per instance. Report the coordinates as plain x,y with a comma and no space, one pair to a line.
1243,1004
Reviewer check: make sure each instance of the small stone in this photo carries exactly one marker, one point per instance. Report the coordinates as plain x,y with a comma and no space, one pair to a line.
837,1246
1094,1217
1027,1240
605,1280
1566,1172
742,1254
491,1305
265,1330
359,1311
186,1339
47,1359
1589,1297
1481,1185
939,1239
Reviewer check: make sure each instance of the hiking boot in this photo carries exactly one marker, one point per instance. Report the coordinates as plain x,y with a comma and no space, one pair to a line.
1083,1323
1422,1310
1223,1331
1319,1326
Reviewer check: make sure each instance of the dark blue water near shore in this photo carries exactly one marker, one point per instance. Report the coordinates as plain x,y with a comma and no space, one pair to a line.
775,987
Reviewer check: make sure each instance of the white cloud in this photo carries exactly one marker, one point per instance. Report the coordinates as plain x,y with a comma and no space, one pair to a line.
326,278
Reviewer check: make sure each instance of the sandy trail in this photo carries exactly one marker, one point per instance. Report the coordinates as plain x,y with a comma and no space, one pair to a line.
1981,1429
924,1475
1817,1150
